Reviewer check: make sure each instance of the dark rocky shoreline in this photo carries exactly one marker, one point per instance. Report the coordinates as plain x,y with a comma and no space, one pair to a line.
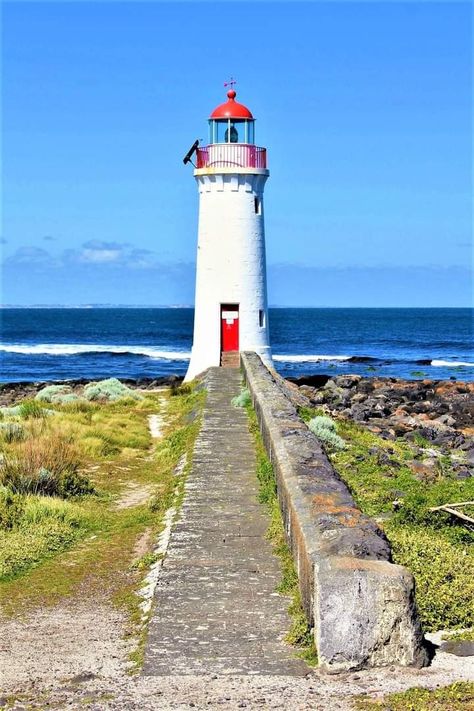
430,413
437,412
12,393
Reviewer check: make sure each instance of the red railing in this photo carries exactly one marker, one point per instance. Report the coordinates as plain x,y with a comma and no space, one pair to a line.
231,155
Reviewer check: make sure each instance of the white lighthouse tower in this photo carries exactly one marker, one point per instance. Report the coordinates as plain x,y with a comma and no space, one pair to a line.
231,311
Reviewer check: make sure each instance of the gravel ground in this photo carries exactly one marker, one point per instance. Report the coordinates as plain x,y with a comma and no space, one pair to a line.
74,656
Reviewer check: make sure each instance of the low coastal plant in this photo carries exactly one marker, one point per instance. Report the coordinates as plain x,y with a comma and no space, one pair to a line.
444,574
11,508
12,432
10,411
38,508
110,390
243,399
31,408
47,465
455,697
325,430
51,392
26,546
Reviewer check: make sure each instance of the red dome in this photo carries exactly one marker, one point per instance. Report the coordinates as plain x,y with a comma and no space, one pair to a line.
231,109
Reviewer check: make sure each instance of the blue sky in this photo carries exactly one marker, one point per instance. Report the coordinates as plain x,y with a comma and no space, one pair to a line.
365,109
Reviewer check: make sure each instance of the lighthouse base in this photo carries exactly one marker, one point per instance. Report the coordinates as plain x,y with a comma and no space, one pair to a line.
201,362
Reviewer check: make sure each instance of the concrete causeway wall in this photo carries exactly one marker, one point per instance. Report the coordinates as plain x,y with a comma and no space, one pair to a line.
362,605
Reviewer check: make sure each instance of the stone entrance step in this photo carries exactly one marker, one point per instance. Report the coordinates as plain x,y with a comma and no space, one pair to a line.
216,606
230,359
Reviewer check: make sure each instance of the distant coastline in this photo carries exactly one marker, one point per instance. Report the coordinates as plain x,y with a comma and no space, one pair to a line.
191,306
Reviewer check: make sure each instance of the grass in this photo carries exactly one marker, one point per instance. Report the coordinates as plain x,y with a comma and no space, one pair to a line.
300,634
53,547
463,635
433,545
455,697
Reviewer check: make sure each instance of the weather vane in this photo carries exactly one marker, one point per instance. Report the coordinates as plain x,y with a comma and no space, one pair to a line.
230,83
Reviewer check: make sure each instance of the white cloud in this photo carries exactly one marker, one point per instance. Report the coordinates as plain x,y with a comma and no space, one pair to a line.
100,256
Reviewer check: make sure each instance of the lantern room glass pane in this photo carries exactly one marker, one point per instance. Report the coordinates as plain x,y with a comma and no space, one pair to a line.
212,131
250,132
222,127
231,131
232,134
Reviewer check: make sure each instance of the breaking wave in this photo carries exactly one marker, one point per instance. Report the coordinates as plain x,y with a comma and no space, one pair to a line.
451,363
66,349
309,358
159,353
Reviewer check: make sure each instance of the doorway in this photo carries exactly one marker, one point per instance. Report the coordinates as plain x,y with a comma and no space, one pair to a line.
229,327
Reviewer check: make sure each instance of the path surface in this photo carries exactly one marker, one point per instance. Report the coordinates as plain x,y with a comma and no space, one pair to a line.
216,606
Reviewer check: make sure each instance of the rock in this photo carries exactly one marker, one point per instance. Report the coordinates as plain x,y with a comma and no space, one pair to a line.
422,407
360,412
308,391
461,648
348,381
315,381
376,622
385,459
423,471
464,474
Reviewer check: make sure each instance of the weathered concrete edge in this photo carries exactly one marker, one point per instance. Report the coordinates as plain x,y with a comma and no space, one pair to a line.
362,605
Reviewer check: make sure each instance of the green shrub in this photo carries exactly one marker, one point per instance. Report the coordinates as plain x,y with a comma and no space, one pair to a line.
48,466
66,399
178,388
243,399
22,548
324,422
10,411
12,432
37,509
11,508
74,484
31,408
77,405
325,430
110,390
51,393
444,575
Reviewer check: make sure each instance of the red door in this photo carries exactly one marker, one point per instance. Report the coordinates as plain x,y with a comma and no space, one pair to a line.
229,327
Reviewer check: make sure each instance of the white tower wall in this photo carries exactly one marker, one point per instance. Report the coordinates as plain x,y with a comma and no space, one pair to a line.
231,264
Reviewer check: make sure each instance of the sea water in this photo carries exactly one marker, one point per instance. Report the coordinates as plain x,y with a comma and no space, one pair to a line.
62,343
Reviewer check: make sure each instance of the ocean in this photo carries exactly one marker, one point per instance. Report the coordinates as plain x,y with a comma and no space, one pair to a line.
56,344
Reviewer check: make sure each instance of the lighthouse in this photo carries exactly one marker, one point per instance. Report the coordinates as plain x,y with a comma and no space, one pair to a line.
231,310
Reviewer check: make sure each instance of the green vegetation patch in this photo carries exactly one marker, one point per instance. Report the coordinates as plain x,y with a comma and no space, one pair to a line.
455,697
243,399
433,545
86,544
110,390
56,394
325,430
300,633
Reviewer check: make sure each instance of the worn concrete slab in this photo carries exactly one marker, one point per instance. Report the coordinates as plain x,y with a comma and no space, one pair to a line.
216,610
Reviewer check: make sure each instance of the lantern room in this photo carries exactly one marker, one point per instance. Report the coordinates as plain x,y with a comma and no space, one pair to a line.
231,139
231,122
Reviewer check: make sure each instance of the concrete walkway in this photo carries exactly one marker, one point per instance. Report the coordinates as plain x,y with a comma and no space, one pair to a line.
216,610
